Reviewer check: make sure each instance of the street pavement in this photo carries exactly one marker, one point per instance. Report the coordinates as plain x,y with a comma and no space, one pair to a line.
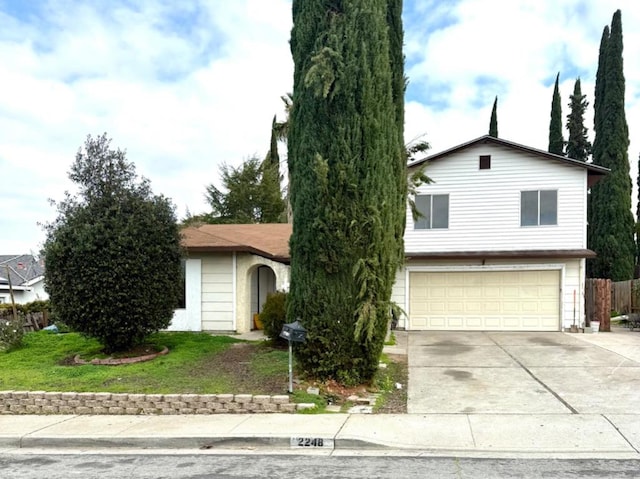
481,394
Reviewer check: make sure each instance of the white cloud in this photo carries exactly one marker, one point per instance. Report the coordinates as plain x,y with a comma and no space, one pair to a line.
181,99
512,50
185,86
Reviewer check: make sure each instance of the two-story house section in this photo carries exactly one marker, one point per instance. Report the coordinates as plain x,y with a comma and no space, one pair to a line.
501,241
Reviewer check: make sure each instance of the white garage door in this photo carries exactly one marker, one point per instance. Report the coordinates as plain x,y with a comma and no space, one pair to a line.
485,300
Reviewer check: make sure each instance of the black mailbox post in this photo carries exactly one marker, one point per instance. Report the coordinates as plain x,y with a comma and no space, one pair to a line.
293,333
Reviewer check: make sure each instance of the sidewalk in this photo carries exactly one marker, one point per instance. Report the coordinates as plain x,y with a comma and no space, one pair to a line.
557,436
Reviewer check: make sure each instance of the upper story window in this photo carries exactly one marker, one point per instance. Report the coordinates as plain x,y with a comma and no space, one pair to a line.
485,162
434,212
539,207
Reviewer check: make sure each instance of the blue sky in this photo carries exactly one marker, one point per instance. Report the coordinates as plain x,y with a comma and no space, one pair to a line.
185,86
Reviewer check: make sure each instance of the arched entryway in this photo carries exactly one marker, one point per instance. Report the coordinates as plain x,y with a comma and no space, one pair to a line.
263,282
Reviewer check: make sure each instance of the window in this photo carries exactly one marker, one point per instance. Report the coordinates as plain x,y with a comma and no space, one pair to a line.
485,162
538,208
434,212
182,298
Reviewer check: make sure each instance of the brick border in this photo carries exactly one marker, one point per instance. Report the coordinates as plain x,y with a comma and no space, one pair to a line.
41,402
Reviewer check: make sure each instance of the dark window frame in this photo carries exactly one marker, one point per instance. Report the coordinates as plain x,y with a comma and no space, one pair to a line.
538,208
434,212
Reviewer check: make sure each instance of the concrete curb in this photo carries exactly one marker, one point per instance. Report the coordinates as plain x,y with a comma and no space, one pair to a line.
492,435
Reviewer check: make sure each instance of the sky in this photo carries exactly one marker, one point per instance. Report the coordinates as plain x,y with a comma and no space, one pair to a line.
187,86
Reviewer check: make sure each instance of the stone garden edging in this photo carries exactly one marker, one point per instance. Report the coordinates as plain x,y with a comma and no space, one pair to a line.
40,402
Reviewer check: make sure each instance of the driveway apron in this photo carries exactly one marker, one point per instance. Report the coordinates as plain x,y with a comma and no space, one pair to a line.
521,373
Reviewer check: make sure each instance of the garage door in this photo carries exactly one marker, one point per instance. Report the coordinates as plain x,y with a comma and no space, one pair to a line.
485,300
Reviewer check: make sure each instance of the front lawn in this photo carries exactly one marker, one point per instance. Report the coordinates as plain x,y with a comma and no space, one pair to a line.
196,363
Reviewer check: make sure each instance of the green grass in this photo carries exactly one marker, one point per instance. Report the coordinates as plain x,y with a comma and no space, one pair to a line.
197,363
38,366
304,397
271,362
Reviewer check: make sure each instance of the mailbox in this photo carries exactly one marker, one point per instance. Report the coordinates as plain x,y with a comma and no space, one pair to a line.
294,332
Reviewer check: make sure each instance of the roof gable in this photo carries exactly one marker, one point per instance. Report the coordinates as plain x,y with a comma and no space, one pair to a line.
23,269
594,172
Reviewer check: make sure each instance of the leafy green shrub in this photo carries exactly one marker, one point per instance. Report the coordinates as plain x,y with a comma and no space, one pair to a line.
274,314
37,306
113,253
11,332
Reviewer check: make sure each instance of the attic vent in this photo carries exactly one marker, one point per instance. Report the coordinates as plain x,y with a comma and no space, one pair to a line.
485,162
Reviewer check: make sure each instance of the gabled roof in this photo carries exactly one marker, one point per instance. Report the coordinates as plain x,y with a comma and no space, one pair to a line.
594,171
23,269
270,240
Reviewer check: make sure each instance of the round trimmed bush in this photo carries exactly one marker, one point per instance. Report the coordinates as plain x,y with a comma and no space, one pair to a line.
274,314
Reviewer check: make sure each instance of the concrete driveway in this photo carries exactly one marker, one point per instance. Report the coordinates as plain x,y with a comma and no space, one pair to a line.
523,373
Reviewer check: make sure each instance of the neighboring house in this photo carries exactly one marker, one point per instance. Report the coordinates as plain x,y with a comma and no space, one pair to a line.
500,245
26,274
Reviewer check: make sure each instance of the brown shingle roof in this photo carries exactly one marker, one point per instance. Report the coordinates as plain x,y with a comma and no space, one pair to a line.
270,240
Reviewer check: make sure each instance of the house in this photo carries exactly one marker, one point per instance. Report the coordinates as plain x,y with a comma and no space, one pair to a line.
502,242
26,275
500,245
229,272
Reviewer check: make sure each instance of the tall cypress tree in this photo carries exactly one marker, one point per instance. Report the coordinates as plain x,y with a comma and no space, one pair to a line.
637,268
345,158
611,224
398,87
598,98
273,158
556,141
578,144
493,123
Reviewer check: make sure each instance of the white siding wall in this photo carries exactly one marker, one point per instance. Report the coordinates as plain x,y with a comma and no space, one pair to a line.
218,292
189,318
398,294
25,295
35,292
484,205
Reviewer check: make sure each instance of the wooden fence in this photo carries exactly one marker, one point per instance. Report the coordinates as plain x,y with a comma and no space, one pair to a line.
32,321
597,302
625,296
603,296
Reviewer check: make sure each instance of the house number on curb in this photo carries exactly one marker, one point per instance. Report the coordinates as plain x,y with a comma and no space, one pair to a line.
311,442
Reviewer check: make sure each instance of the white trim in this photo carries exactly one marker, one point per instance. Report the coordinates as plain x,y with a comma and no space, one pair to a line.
33,281
15,288
407,302
234,293
585,220
189,318
491,267
561,299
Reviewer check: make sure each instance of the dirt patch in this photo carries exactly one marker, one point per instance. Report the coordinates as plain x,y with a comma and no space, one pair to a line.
393,381
238,364
235,363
